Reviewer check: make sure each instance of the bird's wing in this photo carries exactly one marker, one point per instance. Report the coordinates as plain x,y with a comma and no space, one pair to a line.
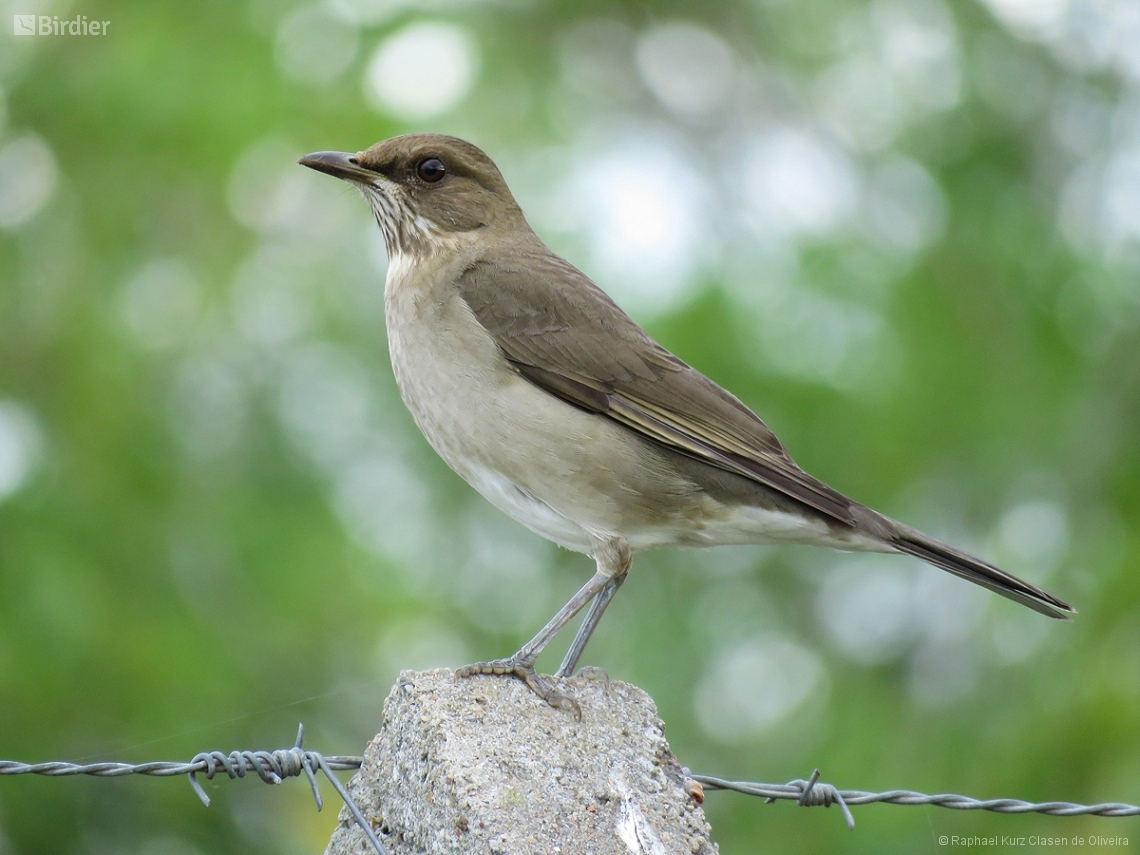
565,335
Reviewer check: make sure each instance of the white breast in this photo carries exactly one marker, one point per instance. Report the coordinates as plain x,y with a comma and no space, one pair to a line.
463,397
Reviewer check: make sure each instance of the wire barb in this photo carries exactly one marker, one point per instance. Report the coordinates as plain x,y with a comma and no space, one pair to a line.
823,794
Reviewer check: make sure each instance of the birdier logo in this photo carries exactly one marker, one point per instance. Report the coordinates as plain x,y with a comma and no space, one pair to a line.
51,25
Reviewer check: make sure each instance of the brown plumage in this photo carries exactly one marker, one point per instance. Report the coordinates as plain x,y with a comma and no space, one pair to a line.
552,402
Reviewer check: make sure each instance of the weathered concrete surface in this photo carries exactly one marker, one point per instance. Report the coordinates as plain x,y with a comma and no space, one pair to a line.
481,765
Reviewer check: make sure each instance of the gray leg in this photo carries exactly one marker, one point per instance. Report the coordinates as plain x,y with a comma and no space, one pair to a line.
613,558
593,616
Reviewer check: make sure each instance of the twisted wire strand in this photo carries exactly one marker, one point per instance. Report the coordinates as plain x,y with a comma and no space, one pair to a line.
810,793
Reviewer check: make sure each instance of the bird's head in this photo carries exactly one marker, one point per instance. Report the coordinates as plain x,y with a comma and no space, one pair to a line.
424,188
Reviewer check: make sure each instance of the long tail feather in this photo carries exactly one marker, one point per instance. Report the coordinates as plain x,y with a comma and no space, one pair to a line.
913,542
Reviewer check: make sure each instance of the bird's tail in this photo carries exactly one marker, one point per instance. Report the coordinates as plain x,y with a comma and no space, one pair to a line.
913,542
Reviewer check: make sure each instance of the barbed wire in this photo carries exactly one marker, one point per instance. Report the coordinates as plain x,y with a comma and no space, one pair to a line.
271,766
274,766
811,793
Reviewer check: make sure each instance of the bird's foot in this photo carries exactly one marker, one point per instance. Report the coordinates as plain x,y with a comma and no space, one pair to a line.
524,671
590,672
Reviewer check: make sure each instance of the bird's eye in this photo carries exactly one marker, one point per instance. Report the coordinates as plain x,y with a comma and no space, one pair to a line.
431,169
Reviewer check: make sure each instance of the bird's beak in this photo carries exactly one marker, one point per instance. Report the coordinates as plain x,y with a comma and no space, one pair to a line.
340,164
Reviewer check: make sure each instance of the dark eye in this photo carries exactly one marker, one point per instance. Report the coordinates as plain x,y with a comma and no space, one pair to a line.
431,169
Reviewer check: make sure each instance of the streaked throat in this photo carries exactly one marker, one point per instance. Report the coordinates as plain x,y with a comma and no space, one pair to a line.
406,232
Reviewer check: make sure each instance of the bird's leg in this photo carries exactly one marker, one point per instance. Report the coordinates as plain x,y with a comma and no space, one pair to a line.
521,664
593,616
613,558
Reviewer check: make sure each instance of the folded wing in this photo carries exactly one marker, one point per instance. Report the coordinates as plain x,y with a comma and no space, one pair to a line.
566,336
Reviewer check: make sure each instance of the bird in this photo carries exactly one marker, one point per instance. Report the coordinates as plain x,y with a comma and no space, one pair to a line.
559,409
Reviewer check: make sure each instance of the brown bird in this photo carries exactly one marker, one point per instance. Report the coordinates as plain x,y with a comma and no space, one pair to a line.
560,410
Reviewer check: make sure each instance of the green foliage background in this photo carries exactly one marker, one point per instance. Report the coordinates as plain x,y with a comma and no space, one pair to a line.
184,564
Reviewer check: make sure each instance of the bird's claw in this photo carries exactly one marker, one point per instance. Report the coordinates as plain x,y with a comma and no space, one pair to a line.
590,672
593,672
525,672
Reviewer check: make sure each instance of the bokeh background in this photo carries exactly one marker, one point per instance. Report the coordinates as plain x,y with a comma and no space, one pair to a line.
907,232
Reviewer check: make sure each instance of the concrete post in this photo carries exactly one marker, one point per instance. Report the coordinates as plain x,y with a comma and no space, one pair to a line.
481,765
